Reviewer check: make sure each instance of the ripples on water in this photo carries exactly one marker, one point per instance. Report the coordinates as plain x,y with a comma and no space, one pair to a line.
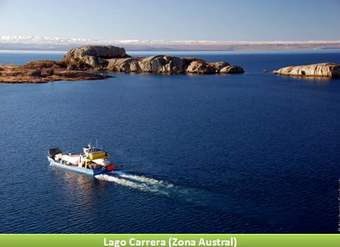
244,153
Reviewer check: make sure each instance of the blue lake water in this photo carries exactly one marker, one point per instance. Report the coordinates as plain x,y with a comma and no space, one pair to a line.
235,153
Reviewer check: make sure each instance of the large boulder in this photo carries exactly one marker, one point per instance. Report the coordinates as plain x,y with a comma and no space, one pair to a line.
231,69
330,70
123,65
217,66
187,61
102,51
161,64
199,67
92,56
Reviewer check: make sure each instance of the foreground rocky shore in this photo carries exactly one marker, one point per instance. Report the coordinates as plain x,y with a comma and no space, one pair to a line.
92,63
325,70
44,71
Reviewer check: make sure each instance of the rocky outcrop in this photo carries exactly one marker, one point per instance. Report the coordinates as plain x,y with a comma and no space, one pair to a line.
329,70
202,67
86,62
199,67
218,66
161,64
123,65
115,59
92,56
44,71
169,65
231,69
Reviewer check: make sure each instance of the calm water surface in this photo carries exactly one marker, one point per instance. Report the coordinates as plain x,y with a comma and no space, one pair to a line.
240,153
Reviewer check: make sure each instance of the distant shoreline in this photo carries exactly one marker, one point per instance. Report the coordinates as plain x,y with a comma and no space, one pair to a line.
33,43
137,52
32,51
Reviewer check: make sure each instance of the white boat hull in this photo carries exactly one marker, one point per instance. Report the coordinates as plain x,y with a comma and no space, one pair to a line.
70,168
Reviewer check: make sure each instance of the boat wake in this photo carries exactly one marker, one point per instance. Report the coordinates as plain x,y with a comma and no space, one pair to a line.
139,182
195,196
98,158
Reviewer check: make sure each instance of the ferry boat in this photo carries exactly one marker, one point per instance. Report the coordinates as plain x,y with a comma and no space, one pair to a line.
92,161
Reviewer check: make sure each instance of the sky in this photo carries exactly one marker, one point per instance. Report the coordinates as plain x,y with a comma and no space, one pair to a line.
220,20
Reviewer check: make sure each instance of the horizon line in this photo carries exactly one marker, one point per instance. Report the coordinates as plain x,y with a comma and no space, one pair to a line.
59,39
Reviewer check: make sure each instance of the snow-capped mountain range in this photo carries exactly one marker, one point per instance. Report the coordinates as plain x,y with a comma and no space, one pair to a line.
63,44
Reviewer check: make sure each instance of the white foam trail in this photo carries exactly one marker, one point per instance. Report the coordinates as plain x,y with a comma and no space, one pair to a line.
142,179
143,184
149,181
155,186
160,187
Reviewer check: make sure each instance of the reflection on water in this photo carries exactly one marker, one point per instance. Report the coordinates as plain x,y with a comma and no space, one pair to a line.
313,80
78,187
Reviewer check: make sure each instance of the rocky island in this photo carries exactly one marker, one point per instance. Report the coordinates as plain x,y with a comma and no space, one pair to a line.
95,62
44,71
324,70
